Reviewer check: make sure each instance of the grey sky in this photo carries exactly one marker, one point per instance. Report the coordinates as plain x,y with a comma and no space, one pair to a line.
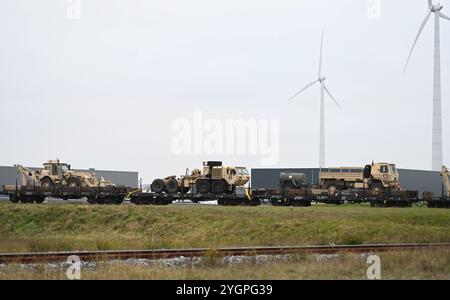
103,91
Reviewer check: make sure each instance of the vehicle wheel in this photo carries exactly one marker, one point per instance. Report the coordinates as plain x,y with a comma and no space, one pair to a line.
158,186
47,183
376,186
219,187
118,200
332,190
203,187
172,186
92,200
73,183
13,199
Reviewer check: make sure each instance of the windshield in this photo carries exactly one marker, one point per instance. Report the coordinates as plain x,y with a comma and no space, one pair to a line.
64,168
393,169
242,171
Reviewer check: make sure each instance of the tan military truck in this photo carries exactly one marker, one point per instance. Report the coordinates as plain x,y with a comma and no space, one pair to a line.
376,176
214,178
56,173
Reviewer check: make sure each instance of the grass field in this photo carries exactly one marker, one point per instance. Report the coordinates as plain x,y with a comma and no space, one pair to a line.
54,227
405,265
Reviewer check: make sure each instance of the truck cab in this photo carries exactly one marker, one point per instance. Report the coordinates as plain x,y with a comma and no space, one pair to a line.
55,168
382,175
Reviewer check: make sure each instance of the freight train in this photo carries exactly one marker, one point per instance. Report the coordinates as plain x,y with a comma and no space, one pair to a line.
337,186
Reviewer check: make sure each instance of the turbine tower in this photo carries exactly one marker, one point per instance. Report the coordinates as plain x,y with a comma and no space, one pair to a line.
437,159
323,89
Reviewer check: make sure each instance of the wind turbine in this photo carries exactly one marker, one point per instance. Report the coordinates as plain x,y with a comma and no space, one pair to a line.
437,160
323,89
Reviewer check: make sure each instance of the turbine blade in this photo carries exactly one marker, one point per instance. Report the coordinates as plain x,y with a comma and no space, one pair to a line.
331,96
430,4
321,53
417,38
305,88
444,16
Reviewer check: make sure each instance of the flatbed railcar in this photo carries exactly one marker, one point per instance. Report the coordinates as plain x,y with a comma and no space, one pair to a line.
143,198
94,195
306,196
303,197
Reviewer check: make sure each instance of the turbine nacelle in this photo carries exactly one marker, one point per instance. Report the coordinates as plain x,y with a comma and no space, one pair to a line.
436,7
322,79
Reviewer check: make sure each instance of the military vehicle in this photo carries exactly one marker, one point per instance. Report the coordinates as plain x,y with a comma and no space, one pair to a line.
376,176
214,178
290,181
56,173
27,176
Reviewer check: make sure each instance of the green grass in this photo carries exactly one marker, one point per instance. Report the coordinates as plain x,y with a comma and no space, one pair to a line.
431,264
55,227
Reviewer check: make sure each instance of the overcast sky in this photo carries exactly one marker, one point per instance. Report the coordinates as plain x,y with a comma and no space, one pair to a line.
103,91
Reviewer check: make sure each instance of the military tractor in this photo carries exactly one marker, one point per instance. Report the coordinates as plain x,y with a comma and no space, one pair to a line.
56,173
289,181
214,178
376,176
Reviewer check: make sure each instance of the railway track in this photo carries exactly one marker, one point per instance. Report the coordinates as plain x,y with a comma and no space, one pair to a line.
47,257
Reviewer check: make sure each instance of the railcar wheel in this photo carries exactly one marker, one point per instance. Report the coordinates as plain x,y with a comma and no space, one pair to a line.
40,200
13,199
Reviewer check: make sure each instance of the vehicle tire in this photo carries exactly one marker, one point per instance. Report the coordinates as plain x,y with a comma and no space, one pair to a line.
47,183
332,190
377,186
158,186
172,186
73,183
203,187
219,187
